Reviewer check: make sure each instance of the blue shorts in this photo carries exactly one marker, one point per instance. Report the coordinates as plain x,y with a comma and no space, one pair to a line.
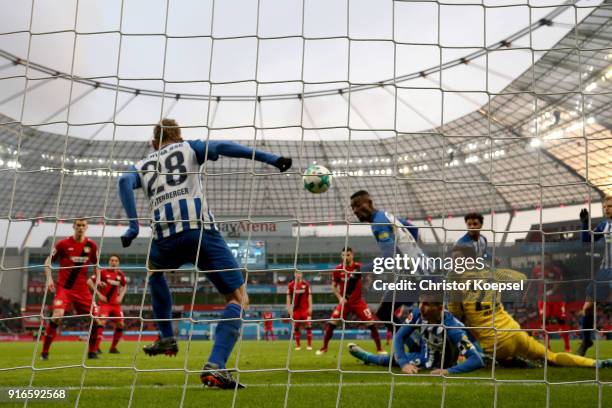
182,248
599,289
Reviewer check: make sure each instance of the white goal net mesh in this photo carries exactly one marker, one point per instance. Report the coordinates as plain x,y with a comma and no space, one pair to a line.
437,109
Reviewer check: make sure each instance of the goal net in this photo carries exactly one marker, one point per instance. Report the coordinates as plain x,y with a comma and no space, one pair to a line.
499,109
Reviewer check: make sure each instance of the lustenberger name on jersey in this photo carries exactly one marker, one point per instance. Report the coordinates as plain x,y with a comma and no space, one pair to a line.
171,182
167,196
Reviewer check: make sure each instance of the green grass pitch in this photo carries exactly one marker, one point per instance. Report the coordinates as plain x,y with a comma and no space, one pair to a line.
342,380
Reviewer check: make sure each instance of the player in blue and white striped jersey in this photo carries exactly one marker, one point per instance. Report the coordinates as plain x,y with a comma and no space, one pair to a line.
473,237
184,232
394,236
424,335
599,289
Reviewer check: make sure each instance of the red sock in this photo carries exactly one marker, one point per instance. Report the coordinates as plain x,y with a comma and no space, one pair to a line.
328,333
565,337
99,337
93,338
375,337
309,336
116,337
388,335
297,335
50,333
266,335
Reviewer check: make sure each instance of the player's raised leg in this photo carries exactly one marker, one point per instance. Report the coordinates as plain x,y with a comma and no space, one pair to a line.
184,227
223,271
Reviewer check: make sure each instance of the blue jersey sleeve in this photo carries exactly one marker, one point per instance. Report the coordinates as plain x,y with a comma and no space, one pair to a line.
459,337
128,182
487,252
384,235
597,232
413,229
464,240
402,340
212,149
385,238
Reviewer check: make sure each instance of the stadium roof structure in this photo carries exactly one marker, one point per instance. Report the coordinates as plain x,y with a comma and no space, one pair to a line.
543,141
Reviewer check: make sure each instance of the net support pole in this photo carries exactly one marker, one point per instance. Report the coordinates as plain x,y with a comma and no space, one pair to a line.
68,105
111,119
26,90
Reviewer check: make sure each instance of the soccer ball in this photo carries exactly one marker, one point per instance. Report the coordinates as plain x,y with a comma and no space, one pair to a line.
317,179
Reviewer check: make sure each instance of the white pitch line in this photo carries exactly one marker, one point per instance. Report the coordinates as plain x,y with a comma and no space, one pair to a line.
313,385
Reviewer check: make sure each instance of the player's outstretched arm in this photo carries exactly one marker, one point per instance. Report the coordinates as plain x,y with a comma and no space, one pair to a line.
413,229
309,305
584,220
585,235
289,306
473,358
128,182
352,283
212,149
122,291
94,289
399,342
49,276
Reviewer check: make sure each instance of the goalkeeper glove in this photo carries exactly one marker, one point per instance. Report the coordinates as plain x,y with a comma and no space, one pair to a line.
584,216
283,164
130,234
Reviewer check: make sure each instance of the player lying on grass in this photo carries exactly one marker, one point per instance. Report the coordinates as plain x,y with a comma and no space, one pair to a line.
598,290
423,336
499,335
347,286
184,233
110,292
75,254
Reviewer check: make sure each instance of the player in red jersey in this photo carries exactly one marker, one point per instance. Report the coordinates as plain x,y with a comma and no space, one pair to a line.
268,325
346,284
555,304
75,254
299,306
110,294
